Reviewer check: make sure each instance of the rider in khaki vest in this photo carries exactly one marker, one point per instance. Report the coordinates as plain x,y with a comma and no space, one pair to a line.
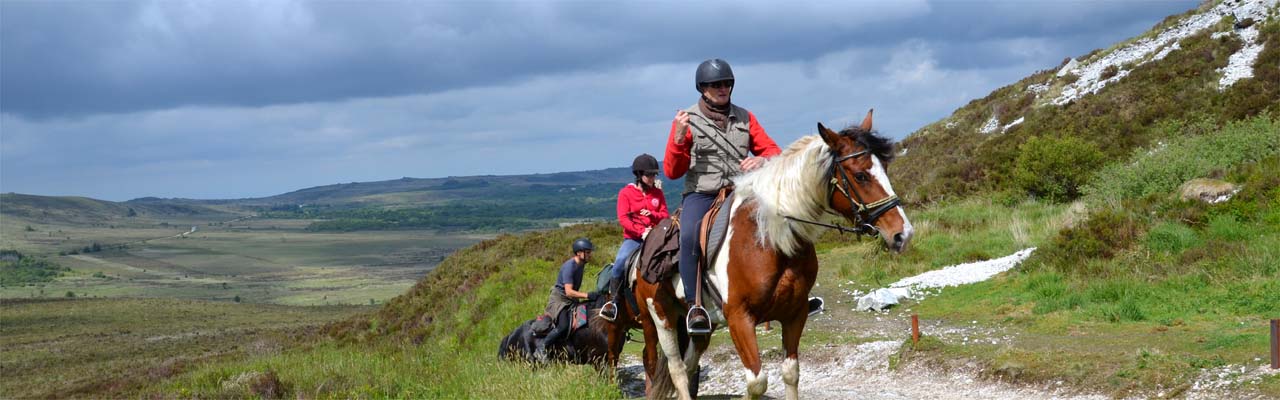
712,141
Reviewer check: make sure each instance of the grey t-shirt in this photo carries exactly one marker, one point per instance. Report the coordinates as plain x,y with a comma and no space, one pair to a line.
570,273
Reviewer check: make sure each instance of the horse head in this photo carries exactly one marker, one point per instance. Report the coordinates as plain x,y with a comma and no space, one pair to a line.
860,189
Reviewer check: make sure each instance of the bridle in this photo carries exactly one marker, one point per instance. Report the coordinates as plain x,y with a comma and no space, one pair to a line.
866,214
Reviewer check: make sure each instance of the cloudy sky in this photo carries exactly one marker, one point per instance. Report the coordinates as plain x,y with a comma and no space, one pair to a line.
228,99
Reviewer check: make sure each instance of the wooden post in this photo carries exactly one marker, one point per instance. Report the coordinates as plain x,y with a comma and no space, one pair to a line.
915,330
1275,344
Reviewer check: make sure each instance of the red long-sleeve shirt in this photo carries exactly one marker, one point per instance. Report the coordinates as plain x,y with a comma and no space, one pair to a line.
631,199
676,163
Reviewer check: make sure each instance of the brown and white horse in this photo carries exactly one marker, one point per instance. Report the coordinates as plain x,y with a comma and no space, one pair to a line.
768,264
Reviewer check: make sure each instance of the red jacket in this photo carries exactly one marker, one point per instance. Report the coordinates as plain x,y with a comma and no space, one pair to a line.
631,199
676,162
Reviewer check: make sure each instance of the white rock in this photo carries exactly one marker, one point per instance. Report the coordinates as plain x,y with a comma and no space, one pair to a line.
881,299
1066,69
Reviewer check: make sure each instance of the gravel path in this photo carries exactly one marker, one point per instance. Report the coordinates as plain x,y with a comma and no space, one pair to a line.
853,372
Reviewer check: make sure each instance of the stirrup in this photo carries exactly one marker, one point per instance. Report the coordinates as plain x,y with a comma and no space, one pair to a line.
608,317
816,306
688,321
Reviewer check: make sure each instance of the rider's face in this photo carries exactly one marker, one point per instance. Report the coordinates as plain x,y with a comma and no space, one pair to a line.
718,92
648,178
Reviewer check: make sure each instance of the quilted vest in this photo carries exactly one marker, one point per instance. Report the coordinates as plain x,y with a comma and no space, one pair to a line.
716,152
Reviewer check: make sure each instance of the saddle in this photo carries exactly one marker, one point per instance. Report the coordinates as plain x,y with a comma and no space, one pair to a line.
542,325
715,226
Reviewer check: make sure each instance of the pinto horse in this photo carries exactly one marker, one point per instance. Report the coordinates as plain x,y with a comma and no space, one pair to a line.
768,264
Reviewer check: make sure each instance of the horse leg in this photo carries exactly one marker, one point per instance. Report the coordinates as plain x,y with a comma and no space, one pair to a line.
692,358
650,358
791,365
743,332
670,342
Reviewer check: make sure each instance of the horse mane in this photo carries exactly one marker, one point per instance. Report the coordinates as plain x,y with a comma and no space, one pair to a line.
791,184
795,184
881,146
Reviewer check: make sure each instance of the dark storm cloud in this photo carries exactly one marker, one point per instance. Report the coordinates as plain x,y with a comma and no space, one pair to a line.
234,99
75,58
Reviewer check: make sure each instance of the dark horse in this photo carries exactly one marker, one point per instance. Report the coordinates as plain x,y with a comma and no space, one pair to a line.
768,264
586,345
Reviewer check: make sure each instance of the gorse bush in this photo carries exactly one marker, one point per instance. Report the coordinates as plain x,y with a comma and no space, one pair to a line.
1184,157
1054,168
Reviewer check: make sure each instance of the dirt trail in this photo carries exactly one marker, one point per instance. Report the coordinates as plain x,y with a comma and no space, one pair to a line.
851,372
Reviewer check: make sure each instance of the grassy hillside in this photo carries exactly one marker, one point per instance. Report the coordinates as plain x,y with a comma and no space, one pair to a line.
84,210
438,340
1131,321
1157,101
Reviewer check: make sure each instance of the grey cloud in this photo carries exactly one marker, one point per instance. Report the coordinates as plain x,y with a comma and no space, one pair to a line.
79,58
222,99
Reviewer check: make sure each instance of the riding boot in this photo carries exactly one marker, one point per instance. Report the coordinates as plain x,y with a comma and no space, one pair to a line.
610,309
698,323
540,351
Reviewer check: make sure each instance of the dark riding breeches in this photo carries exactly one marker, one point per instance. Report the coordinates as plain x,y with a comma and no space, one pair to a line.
694,206
562,326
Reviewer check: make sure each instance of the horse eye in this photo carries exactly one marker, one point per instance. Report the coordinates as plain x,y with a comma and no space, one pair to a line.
861,177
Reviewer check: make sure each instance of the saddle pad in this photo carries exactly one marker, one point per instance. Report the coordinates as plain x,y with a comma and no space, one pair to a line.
579,317
719,229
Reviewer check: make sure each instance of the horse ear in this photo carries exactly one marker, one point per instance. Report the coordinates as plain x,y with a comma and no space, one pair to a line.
827,135
866,122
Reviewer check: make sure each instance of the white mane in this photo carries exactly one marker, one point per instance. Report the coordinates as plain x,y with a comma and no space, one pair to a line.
791,184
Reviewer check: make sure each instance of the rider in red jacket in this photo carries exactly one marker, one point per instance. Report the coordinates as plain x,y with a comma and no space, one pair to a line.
641,205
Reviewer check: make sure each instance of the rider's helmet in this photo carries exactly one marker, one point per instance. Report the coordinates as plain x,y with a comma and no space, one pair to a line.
644,163
713,70
582,244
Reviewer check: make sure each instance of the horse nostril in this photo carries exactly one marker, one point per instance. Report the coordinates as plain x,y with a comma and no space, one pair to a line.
898,242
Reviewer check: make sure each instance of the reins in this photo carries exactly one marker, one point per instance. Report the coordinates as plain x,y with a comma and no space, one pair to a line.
866,214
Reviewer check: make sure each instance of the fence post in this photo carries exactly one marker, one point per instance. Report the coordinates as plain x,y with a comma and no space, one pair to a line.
1275,344
915,332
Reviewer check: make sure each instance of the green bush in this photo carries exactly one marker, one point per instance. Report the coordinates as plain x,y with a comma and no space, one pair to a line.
1226,227
1054,168
17,269
1171,237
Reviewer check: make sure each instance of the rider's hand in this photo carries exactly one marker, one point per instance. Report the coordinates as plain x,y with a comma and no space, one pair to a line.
645,212
750,163
646,233
682,126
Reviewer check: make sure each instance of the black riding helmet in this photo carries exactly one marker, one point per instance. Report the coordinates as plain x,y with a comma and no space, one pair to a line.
582,244
713,70
644,163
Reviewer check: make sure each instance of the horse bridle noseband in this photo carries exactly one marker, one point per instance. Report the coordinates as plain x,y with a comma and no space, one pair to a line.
867,213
